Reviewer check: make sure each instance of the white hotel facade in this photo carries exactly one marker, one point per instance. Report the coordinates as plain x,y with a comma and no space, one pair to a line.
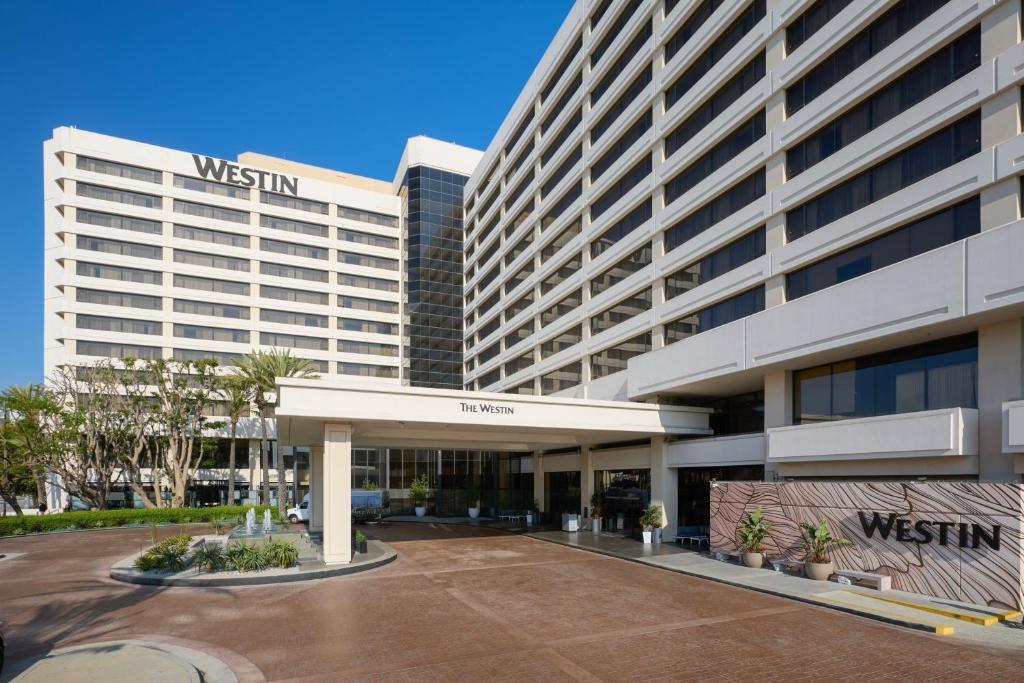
712,239
802,215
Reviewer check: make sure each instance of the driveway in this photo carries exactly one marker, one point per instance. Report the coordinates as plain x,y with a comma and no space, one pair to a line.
464,603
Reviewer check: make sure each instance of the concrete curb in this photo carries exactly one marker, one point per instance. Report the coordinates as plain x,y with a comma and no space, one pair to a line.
735,584
123,570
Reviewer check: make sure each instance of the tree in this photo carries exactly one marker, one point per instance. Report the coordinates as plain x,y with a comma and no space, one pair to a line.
261,369
237,393
16,463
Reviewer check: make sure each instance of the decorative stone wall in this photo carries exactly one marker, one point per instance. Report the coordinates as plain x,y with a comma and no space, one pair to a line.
976,573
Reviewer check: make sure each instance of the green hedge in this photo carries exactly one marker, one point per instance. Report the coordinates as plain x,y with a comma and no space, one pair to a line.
101,519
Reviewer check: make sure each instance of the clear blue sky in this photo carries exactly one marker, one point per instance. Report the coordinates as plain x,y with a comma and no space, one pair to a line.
340,84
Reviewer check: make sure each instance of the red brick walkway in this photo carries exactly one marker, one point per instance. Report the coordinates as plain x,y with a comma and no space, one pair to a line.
469,604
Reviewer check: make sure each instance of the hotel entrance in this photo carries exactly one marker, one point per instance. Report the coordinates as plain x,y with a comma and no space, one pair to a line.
695,492
563,493
625,494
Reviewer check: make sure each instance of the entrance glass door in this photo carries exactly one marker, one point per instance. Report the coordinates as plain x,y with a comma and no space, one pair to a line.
626,494
563,494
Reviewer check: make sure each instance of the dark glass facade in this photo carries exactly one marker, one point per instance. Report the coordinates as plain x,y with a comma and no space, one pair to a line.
432,207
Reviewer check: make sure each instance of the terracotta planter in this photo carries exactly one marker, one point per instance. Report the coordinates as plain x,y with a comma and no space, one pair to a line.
819,571
753,560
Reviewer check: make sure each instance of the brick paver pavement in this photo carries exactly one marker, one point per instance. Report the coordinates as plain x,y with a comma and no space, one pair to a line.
465,603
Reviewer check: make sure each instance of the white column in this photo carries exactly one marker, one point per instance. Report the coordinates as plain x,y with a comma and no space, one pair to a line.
586,477
664,486
337,493
316,488
538,482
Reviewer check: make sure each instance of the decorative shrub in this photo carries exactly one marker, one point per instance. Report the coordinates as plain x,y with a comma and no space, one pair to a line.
167,555
210,557
246,557
282,554
97,519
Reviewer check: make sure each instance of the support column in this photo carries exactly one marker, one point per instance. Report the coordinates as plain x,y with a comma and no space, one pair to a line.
1000,374
538,482
586,478
337,493
778,409
664,486
316,488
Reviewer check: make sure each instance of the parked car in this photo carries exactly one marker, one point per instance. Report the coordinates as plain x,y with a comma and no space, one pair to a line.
366,504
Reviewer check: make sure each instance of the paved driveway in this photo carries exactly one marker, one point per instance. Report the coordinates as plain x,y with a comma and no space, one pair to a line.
470,604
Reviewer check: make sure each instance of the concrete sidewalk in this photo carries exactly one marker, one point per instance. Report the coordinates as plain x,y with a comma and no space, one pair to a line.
898,607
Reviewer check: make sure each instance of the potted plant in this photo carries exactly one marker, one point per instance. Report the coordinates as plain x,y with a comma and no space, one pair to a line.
650,519
474,500
817,540
596,510
752,532
533,513
419,490
360,541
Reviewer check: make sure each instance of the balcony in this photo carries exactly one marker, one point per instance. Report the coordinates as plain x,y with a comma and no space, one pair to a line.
930,433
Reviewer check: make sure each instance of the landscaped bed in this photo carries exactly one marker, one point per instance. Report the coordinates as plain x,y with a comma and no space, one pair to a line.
104,519
177,553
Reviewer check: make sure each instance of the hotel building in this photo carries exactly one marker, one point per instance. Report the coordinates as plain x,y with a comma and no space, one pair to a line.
803,216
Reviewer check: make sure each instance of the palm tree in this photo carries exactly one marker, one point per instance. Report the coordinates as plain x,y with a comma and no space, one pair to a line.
261,369
236,392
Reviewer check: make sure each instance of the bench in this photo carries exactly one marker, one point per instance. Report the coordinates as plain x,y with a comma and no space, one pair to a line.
726,555
879,581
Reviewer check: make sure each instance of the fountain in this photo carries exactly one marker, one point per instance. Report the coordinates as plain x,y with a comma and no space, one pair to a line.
250,521
249,530
266,521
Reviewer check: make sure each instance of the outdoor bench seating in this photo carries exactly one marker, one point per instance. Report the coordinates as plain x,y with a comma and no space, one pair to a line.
780,563
879,581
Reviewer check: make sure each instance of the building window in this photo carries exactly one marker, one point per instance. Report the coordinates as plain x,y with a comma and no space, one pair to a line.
618,149
743,193
367,238
215,212
371,326
745,135
733,255
614,30
210,285
292,249
519,306
621,62
519,334
518,364
935,73
567,235
620,228
365,370
222,357
293,341
93,165
882,32
110,220
560,342
559,207
195,258
622,311
565,271
292,318
633,263
123,299
714,52
289,202
563,378
226,239
120,248
488,328
938,151
301,296
218,334
110,194
939,374
563,66
570,161
367,348
99,270
811,21
634,90
366,261
109,350
119,325
365,282
293,272
361,304
630,179
212,309
614,358
931,232
367,216
210,187
566,305
292,225
734,308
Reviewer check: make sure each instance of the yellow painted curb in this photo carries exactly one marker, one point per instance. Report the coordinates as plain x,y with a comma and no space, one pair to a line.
980,619
938,627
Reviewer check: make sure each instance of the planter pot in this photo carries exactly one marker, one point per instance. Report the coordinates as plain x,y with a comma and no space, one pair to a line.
647,536
753,560
819,571
657,535
361,546
474,513
595,525
529,518
421,511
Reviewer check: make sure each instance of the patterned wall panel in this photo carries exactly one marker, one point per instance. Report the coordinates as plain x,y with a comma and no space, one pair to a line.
981,575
